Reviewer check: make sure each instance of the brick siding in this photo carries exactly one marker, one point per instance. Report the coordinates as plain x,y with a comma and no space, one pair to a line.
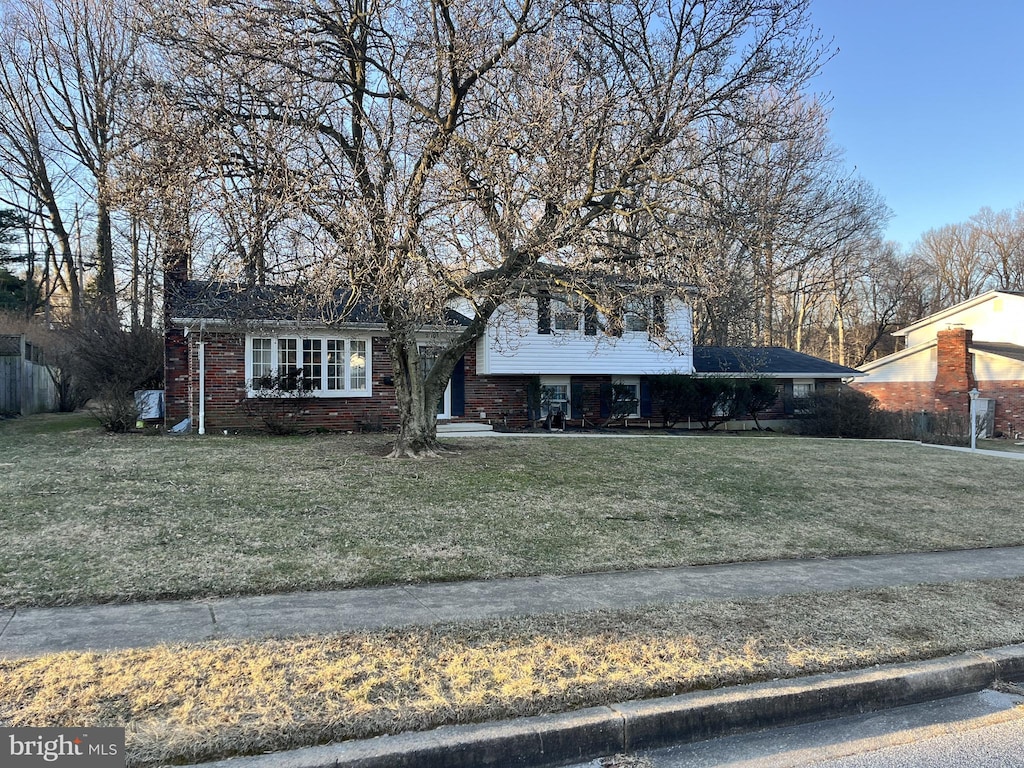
501,398
953,380
176,377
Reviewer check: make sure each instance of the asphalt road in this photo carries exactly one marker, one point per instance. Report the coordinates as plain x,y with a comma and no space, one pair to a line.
984,730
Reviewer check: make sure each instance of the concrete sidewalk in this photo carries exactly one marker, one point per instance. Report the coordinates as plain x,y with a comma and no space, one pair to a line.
558,739
30,631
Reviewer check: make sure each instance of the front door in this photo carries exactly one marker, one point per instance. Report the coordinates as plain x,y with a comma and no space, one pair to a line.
428,356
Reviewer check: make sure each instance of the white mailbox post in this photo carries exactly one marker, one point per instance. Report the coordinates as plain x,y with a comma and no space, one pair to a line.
974,418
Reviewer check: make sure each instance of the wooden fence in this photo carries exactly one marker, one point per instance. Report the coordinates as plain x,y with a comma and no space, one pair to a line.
25,382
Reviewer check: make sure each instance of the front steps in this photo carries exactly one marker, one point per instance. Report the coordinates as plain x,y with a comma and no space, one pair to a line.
461,428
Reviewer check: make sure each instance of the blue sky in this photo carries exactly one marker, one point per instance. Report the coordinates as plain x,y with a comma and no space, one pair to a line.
927,100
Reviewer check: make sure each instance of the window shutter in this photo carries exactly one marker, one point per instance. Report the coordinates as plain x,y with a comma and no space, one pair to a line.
459,388
589,320
575,399
606,400
543,313
658,326
646,409
615,320
533,398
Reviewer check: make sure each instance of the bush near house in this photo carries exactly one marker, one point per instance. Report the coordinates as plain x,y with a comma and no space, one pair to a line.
710,400
109,363
850,413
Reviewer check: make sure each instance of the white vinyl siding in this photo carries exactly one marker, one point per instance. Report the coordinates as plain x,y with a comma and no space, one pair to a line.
512,345
998,318
914,366
989,367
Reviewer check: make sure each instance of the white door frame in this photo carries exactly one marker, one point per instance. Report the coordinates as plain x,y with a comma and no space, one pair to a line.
446,404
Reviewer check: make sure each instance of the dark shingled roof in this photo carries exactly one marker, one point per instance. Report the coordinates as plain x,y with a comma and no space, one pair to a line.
1003,349
233,302
766,361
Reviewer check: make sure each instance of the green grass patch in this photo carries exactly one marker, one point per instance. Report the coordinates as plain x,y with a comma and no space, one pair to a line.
190,703
92,518
47,424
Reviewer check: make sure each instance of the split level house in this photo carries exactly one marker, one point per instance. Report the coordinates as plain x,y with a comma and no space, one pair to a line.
234,357
976,344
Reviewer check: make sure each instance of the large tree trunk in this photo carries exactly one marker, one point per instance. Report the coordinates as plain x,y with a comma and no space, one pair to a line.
417,393
105,284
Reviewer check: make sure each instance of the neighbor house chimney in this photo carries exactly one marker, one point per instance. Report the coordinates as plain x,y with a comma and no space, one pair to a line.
955,370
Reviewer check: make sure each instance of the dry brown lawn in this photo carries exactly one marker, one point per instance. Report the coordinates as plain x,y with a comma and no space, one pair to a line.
94,518
197,702
91,518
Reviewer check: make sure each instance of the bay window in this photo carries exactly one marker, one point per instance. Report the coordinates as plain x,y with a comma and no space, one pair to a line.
315,365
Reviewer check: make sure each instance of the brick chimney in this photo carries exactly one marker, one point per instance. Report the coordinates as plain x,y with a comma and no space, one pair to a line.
955,373
177,363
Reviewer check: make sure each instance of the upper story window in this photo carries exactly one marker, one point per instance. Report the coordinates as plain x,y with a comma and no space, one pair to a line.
317,366
636,317
644,315
561,314
567,318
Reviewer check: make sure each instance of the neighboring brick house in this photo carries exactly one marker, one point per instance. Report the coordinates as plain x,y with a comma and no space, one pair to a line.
538,357
976,343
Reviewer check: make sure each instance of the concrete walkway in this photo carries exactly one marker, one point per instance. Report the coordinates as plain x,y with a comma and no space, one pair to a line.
30,631
557,739
485,430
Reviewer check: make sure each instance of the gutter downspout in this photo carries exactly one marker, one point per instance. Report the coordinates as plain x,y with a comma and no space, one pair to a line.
202,382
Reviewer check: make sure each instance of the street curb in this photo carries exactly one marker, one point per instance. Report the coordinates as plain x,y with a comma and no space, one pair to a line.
560,739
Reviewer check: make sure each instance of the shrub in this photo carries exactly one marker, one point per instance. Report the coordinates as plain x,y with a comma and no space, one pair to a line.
710,400
945,428
277,401
106,363
751,396
843,412
674,396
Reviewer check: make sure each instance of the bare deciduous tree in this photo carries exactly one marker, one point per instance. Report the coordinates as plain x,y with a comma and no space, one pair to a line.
1001,238
37,180
464,151
68,65
785,233
954,255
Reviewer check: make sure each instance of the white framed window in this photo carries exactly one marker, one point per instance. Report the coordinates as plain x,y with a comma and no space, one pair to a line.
358,364
636,316
312,365
259,365
802,388
287,357
567,315
335,364
626,397
554,396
